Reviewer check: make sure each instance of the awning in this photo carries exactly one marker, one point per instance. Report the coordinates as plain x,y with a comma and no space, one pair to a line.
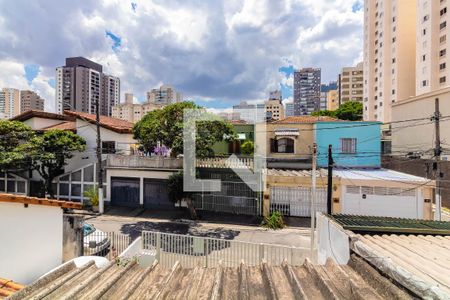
287,132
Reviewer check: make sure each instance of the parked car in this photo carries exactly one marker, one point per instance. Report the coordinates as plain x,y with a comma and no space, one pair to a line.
96,242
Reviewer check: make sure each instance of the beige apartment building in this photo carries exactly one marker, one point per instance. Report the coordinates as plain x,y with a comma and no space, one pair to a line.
164,95
132,112
29,100
389,55
274,109
332,100
351,84
9,103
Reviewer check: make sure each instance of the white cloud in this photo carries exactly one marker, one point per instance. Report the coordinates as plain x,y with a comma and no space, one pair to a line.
228,50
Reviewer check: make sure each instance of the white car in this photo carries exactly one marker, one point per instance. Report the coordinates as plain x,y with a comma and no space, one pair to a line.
95,241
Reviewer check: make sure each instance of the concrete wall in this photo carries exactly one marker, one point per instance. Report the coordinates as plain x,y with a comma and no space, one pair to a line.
302,143
368,143
72,236
31,240
134,173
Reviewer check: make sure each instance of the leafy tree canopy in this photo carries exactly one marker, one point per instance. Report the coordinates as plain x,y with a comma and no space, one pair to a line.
13,135
350,111
166,126
248,147
50,152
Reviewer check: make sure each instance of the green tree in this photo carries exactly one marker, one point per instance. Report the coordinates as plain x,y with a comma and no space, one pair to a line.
328,113
248,147
166,126
351,111
13,136
177,193
50,152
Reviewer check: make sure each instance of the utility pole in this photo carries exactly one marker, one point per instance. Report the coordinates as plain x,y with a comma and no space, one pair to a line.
330,178
313,197
99,158
437,157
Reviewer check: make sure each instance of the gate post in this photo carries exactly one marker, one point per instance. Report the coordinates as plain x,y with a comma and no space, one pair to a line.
206,249
158,246
261,252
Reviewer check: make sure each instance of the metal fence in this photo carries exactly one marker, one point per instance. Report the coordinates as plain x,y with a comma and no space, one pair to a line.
296,201
106,244
192,251
234,197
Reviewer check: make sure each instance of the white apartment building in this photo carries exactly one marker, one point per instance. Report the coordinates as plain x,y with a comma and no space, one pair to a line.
389,55
351,84
132,112
164,95
9,103
433,65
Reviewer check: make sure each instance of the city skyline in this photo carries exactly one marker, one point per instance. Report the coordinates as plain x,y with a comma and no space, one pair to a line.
220,63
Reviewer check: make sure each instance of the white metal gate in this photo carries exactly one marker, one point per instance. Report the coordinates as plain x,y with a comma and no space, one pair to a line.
296,201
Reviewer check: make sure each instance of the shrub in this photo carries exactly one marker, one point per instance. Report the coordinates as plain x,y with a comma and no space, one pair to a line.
247,147
92,194
274,221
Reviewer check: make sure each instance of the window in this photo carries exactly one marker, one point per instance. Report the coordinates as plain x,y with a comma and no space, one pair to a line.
443,25
424,57
442,39
442,66
424,82
108,147
425,18
443,11
348,145
442,79
442,52
283,145
424,32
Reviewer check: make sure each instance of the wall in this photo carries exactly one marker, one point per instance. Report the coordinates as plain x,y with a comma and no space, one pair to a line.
133,173
39,123
31,240
368,143
419,135
302,143
72,236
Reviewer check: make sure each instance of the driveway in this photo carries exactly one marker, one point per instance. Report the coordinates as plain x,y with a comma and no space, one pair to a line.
133,226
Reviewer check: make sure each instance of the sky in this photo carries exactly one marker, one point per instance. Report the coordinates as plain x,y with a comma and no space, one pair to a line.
217,53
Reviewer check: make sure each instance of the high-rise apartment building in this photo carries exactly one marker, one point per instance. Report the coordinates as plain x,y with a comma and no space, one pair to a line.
306,91
29,100
332,100
250,113
351,84
289,109
324,91
132,112
81,83
9,103
164,95
389,55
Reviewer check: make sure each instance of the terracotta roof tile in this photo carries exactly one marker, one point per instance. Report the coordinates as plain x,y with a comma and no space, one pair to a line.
11,198
305,119
40,114
70,125
113,124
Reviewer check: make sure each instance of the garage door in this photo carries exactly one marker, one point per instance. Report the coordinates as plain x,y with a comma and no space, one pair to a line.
296,201
382,201
156,194
125,192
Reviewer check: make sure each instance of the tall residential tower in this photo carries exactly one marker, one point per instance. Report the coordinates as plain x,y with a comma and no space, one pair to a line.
81,83
389,55
306,91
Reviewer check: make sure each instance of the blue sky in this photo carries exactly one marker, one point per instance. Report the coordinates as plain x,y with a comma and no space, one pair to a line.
227,50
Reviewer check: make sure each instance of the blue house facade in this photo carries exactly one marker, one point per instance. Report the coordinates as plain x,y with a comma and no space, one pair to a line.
354,144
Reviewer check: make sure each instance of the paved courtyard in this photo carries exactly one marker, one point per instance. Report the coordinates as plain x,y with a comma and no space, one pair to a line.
134,225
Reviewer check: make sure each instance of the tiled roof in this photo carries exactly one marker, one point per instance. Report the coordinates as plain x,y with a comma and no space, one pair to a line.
305,119
113,124
8,287
419,262
10,198
363,224
358,280
40,114
69,125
